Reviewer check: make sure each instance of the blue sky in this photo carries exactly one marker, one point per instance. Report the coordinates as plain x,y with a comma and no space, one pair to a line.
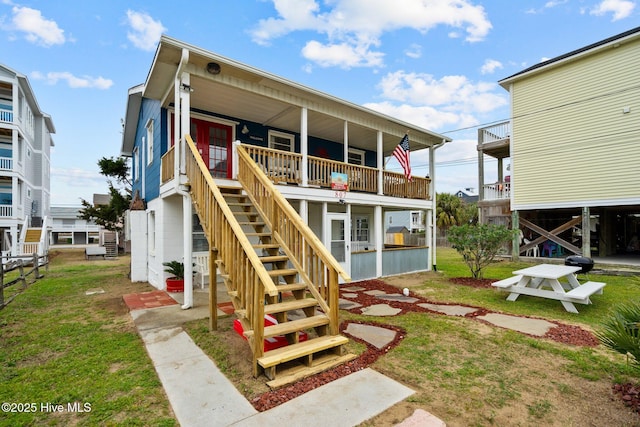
434,63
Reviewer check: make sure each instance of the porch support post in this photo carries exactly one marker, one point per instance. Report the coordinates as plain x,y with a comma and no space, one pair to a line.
380,161
185,121
500,171
345,144
187,230
432,193
378,226
304,211
515,242
586,232
480,174
304,148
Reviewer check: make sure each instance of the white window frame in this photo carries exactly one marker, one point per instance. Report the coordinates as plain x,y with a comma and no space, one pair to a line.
149,127
136,164
356,152
289,136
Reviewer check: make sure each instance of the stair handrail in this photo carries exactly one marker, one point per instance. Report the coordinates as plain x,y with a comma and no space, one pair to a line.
195,164
318,268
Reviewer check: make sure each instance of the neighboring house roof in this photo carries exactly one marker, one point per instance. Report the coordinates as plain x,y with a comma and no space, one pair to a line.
233,89
607,43
398,229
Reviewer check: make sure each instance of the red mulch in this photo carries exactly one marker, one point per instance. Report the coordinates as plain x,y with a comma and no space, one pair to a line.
566,334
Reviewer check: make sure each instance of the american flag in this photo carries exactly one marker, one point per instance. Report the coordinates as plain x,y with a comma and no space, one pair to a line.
402,154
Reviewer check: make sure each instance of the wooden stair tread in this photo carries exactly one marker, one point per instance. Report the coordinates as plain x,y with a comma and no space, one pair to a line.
304,348
258,234
283,272
291,375
290,287
292,326
251,223
290,305
266,246
274,258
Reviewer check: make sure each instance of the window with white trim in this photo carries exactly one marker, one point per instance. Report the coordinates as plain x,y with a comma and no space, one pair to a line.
281,141
355,156
360,229
136,164
150,141
152,232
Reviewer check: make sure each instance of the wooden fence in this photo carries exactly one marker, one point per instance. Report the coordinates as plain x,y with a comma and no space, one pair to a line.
22,265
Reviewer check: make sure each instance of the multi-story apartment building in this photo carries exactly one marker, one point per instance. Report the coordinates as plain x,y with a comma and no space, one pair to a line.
25,148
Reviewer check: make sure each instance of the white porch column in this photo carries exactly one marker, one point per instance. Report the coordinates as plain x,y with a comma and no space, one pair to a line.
304,147
380,161
185,119
345,142
586,232
304,211
187,230
378,226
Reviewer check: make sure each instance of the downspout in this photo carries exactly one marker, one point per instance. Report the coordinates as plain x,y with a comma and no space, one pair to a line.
182,98
432,175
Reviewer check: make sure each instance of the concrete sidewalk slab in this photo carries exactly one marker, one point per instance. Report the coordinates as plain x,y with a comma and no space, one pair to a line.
199,394
525,325
347,401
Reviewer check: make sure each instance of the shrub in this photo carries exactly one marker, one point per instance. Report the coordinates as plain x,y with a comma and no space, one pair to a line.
479,244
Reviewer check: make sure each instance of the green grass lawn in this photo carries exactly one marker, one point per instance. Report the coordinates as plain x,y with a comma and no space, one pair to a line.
59,346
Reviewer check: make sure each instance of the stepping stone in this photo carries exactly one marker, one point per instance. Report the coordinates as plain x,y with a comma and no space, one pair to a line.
353,289
422,418
380,310
398,297
345,304
374,335
375,292
521,324
451,310
349,295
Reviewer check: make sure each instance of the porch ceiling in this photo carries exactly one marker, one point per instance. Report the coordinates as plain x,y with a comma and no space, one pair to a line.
243,92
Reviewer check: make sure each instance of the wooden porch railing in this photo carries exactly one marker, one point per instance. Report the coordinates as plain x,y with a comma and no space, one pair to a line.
282,166
248,278
315,264
167,165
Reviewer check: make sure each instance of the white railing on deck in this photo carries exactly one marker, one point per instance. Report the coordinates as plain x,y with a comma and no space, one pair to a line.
497,191
6,163
6,211
6,116
495,132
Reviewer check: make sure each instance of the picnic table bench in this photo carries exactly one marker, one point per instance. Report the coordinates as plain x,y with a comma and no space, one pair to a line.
543,281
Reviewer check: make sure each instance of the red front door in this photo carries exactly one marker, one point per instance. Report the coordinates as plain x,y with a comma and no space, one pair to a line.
214,144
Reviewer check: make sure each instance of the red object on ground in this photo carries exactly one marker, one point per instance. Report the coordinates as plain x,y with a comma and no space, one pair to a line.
175,285
273,342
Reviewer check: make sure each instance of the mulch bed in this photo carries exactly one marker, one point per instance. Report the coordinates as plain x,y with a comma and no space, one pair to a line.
566,334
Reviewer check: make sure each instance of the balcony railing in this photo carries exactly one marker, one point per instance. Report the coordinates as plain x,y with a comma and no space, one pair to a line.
6,163
282,166
167,167
497,191
6,211
6,116
495,132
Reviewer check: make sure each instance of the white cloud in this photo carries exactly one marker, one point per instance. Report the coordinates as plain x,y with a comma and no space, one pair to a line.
342,55
619,8
73,81
446,103
37,29
490,66
360,23
414,51
145,31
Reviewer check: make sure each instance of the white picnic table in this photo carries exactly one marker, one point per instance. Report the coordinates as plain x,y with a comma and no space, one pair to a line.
558,282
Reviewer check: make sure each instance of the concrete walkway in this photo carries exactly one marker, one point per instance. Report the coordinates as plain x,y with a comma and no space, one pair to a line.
201,395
